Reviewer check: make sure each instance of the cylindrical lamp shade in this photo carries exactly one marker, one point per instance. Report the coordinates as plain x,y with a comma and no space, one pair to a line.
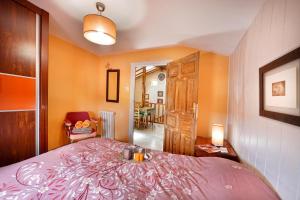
99,29
217,134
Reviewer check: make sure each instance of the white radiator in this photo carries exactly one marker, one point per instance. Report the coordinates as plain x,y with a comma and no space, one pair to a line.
108,124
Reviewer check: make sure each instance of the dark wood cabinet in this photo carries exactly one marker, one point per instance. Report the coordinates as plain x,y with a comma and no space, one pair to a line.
23,80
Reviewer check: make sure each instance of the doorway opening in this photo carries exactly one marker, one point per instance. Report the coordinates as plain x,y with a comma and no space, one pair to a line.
149,106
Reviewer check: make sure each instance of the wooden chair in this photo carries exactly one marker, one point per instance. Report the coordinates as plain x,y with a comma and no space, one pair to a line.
70,121
138,117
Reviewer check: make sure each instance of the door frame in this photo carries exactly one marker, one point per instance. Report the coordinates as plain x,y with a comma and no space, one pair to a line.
132,90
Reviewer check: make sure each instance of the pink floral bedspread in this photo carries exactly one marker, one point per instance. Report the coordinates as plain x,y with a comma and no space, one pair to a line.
92,169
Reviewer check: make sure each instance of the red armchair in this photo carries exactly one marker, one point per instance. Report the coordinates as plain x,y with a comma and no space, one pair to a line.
70,121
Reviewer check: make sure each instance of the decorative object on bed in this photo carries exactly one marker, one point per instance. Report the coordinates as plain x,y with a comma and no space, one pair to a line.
135,153
107,124
92,169
128,153
279,89
78,126
112,85
217,134
205,148
136,156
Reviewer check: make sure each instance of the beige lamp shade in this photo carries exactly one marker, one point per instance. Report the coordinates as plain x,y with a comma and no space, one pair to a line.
99,29
217,134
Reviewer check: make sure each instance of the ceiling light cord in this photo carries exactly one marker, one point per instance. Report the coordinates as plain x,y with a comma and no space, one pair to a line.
100,7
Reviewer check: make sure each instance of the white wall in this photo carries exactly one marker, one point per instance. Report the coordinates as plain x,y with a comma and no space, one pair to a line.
150,89
272,147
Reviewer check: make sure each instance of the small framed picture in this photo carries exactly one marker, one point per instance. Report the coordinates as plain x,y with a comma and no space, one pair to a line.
146,96
160,93
279,89
161,101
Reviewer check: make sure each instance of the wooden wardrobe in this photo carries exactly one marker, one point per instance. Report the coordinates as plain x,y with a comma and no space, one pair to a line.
23,80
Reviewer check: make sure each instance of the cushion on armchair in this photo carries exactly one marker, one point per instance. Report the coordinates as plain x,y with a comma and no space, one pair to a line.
79,125
82,130
82,127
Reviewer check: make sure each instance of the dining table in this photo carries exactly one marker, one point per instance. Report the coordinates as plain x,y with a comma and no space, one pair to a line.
148,112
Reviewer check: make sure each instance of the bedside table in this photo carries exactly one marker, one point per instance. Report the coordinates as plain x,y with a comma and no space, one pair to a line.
207,141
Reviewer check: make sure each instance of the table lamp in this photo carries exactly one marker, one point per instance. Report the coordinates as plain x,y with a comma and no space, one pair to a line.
217,134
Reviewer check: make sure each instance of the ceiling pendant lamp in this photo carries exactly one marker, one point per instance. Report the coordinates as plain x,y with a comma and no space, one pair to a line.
99,29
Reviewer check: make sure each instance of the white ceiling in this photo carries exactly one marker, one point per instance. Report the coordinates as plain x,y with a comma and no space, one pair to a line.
211,25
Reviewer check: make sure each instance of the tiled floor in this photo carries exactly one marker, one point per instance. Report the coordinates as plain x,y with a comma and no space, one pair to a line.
150,138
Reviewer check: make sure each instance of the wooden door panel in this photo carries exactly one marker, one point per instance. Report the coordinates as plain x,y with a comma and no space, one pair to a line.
173,70
171,121
166,140
171,94
17,133
17,39
188,68
182,98
182,144
186,123
185,143
190,95
180,95
176,142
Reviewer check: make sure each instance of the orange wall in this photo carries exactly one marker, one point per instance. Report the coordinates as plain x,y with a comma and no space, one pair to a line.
213,90
212,85
77,82
123,62
73,86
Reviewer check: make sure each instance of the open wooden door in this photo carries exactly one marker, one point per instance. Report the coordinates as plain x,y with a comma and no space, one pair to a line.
182,105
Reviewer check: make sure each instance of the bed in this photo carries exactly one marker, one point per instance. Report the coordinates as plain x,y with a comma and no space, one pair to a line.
93,169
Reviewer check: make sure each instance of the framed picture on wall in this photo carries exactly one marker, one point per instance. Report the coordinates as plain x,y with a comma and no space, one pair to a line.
279,89
112,85
160,93
161,76
160,101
